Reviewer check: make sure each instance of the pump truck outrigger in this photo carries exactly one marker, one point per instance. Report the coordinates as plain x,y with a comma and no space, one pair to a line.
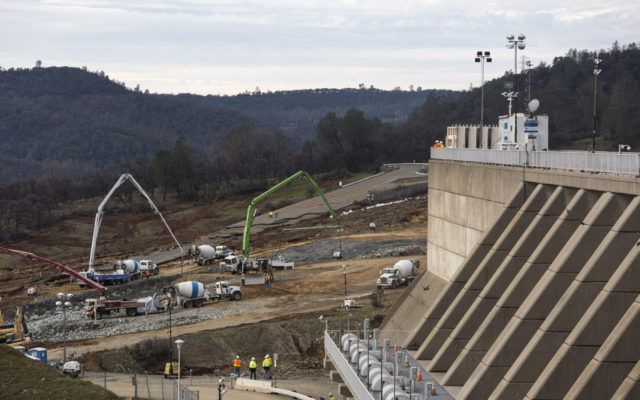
94,308
247,264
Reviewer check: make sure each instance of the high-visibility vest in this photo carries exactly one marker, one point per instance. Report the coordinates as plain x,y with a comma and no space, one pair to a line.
266,363
236,363
253,364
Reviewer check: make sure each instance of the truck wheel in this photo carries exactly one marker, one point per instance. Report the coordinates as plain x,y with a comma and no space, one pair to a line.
131,312
187,304
394,284
236,296
197,303
378,287
156,271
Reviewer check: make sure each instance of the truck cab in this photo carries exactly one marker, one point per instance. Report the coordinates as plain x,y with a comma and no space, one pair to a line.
223,251
148,265
223,290
389,277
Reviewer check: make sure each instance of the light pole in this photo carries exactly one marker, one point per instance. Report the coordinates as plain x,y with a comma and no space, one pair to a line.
179,343
596,72
515,43
344,272
62,304
481,56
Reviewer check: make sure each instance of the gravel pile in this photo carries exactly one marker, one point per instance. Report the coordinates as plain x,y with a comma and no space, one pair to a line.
51,328
323,250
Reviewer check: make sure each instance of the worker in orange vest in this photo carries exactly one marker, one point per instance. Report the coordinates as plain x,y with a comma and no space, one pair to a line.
236,366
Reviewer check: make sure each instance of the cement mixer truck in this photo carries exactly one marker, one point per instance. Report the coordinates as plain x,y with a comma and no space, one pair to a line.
193,293
402,273
134,268
204,254
187,294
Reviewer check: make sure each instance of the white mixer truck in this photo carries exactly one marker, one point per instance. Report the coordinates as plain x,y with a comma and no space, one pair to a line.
134,268
193,293
204,254
186,294
402,273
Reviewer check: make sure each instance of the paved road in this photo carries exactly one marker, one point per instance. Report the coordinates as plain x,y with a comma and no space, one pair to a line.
310,208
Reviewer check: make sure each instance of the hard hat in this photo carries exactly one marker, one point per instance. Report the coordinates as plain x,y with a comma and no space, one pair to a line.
253,358
267,356
237,356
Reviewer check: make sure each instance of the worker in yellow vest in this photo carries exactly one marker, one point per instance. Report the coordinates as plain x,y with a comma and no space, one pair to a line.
252,367
236,366
266,364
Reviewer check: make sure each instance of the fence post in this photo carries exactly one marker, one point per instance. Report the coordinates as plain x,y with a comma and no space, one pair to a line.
162,387
146,377
105,379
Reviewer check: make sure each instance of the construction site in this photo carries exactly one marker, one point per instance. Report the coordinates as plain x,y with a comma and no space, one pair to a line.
247,288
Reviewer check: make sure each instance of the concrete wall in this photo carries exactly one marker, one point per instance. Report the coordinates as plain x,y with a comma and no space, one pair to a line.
465,199
543,292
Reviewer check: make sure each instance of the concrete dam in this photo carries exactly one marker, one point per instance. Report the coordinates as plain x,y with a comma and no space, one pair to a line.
533,282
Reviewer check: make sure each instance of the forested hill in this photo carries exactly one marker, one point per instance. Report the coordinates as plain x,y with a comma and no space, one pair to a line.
297,112
73,121
565,89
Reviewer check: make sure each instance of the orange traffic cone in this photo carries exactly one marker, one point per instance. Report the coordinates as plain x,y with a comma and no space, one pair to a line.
419,377
395,350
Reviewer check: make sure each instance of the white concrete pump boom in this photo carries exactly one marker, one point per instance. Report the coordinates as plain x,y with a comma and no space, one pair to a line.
96,226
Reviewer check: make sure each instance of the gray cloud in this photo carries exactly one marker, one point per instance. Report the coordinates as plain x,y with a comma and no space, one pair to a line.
230,46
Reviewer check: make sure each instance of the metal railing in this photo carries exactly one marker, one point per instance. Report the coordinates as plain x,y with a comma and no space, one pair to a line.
351,379
598,162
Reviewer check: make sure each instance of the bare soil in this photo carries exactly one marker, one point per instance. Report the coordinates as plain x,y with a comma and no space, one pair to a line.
285,314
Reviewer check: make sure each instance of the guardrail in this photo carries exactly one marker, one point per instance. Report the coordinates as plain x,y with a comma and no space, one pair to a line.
598,162
351,379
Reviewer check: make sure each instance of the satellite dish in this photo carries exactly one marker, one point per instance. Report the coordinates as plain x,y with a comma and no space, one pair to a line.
533,105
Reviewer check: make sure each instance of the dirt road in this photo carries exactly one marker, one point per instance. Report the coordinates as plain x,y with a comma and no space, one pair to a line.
311,208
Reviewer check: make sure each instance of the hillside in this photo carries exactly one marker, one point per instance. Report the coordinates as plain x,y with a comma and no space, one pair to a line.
71,121
23,378
297,112
74,121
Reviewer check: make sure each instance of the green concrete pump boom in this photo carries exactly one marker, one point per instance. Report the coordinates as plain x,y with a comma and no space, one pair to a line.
252,207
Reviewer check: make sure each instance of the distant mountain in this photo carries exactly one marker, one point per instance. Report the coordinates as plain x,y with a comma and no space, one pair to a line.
74,121
77,121
297,112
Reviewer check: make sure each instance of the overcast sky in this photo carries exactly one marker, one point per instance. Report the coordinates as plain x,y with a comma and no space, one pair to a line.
226,47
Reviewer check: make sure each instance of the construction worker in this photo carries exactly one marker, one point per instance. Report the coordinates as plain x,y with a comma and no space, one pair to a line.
148,274
331,396
266,364
236,366
242,278
252,368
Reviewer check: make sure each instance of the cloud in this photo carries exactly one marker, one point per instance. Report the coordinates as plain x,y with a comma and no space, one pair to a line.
237,45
